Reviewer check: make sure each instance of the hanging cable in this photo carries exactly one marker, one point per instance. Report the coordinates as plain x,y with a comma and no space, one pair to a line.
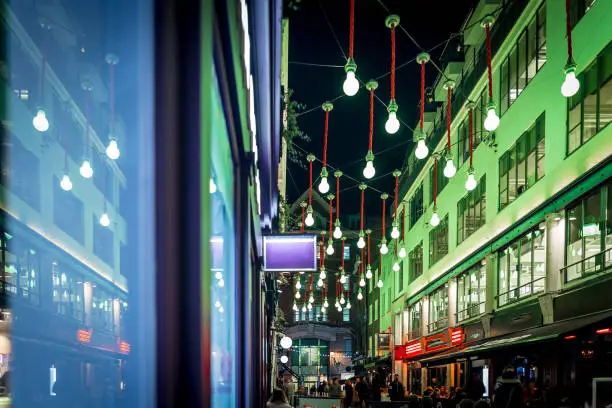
324,185
571,85
492,120
448,116
303,205
383,242
489,58
352,29
369,171
471,118
392,125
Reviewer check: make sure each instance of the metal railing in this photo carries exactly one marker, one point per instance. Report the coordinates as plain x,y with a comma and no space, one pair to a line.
518,293
594,264
470,311
438,325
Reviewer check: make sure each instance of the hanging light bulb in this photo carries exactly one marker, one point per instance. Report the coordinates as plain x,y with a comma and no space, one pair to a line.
402,252
320,283
421,151
369,171
330,247
40,121
435,219
323,185
218,275
217,304
470,183
369,272
571,85
295,306
298,285
326,304
323,275
309,218
383,247
362,282
323,310
449,169
343,278
359,296
337,305
220,283
221,309
348,304
492,121
396,266
380,283
311,299
86,170
304,308
342,300
361,241
340,309
392,125
395,233
284,359
66,183
351,84
337,230
112,150
213,186
297,295
309,306
104,220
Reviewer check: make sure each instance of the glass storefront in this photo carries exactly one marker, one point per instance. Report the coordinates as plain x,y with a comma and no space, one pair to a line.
310,358
438,309
472,292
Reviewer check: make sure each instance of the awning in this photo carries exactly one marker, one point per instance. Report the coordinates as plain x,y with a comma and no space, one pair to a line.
534,335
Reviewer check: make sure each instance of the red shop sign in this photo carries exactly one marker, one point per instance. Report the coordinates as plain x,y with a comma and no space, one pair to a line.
436,342
408,350
456,336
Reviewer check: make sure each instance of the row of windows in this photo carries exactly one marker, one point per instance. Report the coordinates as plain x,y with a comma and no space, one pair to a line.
471,211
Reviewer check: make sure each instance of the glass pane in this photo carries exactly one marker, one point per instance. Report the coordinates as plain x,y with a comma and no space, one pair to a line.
522,62
512,175
608,242
589,127
531,157
531,50
525,271
605,104
503,274
504,86
575,250
512,64
541,36
539,261
591,230
514,269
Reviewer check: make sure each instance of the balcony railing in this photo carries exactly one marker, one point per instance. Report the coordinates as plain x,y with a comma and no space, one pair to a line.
438,325
594,264
471,311
521,292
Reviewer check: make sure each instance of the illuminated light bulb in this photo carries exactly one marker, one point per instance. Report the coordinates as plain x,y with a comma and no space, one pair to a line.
571,85
221,310
337,304
342,278
351,84
309,306
218,275
342,301
359,296
213,187
323,185
217,304
369,171
421,151
297,295
66,183
470,183
361,242
301,273
298,285
221,283
326,304
340,308
104,220
348,304
396,266
402,252
395,232
323,309
86,170
380,283
40,121
435,219
295,306
112,150
309,219
303,308
362,282
337,232
449,169
323,274
284,359
330,248
311,299
383,248
320,283
369,273
392,125
492,121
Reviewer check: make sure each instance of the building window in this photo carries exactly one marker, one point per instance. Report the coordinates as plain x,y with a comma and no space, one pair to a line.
415,317
589,234
471,211
416,206
438,241
522,268
348,347
67,292
526,58
103,245
400,276
102,309
123,310
21,270
463,135
346,315
438,309
442,181
590,110
579,8
523,164
415,262
472,292
309,359
20,170
68,213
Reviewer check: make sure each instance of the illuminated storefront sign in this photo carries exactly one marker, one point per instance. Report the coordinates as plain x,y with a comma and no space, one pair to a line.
124,347
84,336
456,336
436,342
408,350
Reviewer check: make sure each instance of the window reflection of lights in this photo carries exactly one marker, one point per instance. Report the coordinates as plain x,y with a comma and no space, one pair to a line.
221,283
218,275
213,186
217,304
221,310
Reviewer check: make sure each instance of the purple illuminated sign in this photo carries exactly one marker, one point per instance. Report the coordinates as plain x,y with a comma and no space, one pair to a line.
290,253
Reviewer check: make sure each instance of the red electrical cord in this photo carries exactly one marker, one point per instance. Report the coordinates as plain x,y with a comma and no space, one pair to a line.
448,116
361,217
362,262
338,197
342,254
471,135
325,139
352,29
568,29
435,181
331,206
371,140
393,62
403,219
489,57
384,231
396,194
303,220
369,249
422,113
310,189
321,254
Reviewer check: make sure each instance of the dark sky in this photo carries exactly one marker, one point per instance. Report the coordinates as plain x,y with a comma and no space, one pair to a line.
311,41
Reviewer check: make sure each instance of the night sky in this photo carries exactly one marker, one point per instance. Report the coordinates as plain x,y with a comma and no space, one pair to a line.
311,41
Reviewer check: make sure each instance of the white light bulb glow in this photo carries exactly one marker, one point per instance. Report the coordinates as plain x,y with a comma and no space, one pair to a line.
104,220
339,308
330,249
342,301
286,342
326,304
361,243
298,295
449,169
86,170
284,359
217,304
323,275
571,85
295,307
66,183
392,125
348,305
309,220
362,282
298,285
311,299
303,308
40,121
380,283
359,296
213,187
421,151
492,121
369,171
470,183
218,275
369,273
220,283
112,150
323,185
342,278
320,283
395,232
402,252
435,219
351,84
337,232
384,249
396,266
